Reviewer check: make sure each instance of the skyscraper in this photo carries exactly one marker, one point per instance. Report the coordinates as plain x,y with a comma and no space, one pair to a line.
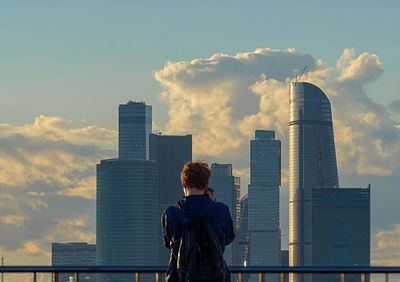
171,152
127,213
312,163
243,234
134,123
324,221
127,201
78,253
263,199
227,191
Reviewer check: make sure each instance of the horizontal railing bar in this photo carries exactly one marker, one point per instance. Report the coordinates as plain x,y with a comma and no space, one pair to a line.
233,269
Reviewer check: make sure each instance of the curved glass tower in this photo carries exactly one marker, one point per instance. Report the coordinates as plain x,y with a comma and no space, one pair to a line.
312,164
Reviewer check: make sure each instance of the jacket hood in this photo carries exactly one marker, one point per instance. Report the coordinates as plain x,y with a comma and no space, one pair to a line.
191,208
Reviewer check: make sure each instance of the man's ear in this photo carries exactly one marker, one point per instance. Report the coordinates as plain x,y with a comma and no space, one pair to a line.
184,183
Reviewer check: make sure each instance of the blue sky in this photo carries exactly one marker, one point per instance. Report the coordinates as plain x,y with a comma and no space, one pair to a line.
66,65
92,55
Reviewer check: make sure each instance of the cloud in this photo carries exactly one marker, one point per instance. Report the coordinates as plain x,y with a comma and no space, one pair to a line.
223,99
394,106
47,185
365,68
386,247
85,188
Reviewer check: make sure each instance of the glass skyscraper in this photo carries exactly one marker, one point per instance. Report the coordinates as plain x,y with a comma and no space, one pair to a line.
127,202
127,213
263,199
323,219
312,163
227,191
134,123
171,152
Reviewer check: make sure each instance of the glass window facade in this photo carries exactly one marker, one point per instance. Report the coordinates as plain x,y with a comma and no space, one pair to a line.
135,125
263,199
127,214
171,153
227,191
74,254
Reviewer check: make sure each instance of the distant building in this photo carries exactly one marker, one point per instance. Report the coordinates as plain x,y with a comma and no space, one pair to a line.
171,152
63,254
227,191
127,201
341,229
312,163
263,199
243,234
134,127
328,225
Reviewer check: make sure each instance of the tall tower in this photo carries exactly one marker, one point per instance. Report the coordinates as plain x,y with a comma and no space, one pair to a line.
227,191
134,124
127,198
312,164
263,199
171,152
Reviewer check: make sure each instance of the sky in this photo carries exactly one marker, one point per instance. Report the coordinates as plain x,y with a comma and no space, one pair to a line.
216,69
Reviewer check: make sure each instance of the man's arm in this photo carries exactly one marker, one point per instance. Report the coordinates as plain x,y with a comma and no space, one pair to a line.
165,231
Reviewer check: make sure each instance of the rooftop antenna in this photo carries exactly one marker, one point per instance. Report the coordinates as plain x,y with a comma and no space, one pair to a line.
304,70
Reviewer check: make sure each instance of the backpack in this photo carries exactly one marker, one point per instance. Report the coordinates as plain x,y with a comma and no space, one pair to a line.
200,255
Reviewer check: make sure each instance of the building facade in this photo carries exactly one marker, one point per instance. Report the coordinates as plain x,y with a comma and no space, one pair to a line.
227,191
134,128
341,229
263,199
312,163
79,253
171,152
324,220
243,234
127,213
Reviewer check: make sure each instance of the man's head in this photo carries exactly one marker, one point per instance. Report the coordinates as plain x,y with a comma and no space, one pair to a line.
195,175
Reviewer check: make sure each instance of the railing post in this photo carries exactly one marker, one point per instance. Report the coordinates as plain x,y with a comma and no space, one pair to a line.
343,277
76,276
261,277
363,277
240,277
386,277
137,276
55,276
158,277
283,276
34,276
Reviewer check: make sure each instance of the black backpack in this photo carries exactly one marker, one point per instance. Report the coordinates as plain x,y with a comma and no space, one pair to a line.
200,255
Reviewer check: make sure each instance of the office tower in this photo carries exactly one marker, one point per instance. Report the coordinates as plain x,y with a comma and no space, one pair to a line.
340,229
327,225
226,190
263,198
127,213
312,163
171,153
243,234
134,128
74,254
127,203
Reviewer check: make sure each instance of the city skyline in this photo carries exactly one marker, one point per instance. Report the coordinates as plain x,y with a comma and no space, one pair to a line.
220,76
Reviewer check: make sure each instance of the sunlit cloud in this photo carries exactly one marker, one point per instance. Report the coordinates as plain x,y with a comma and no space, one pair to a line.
386,247
223,99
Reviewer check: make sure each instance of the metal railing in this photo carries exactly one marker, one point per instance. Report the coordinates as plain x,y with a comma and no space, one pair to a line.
159,271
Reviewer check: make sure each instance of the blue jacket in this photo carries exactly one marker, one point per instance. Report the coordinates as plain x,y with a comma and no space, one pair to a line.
185,213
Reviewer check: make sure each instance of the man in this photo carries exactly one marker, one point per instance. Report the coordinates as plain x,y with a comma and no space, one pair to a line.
199,200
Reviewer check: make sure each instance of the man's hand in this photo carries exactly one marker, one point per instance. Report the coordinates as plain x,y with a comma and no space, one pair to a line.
210,194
